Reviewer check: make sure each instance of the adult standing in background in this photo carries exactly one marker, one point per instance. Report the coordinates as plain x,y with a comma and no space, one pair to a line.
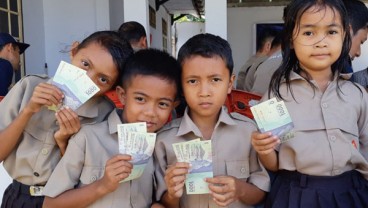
263,48
358,19
135,33
10,51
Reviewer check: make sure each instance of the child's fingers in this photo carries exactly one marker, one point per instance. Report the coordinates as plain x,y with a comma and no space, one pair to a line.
69,119
223,202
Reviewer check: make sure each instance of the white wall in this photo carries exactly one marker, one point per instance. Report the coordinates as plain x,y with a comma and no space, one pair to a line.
186,30
116,14
67,21
34,34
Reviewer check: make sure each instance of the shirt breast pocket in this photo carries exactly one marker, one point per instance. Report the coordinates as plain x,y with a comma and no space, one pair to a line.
91,174
238,169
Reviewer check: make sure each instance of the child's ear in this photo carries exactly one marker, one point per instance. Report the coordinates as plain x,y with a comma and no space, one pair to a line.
73,50
231,84
121,94
176,103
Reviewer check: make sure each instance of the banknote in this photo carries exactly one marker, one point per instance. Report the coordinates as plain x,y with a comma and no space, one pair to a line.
140,147
123,130
273,116
75,84
199,155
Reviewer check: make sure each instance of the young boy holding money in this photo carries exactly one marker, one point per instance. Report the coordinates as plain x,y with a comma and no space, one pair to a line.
32,137
89,173
238,179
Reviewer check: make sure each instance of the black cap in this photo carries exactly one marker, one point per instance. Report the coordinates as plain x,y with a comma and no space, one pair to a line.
5,38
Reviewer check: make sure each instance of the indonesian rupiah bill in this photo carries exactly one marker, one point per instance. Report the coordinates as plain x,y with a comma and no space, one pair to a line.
272,115
75,84
199,155
135,141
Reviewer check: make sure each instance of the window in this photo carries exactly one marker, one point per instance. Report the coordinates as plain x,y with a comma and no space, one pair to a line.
11,22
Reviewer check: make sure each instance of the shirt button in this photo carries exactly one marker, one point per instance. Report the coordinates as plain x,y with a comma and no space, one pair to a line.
44,151
242,170
325,105
93,178
36,174
333,138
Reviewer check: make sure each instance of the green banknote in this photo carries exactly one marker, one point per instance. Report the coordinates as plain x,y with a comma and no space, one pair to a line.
75,84
135,141
273,116
199,155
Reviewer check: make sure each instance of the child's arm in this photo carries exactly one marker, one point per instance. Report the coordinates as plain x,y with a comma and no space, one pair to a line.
44,94
264,144
175,180
117,168
69,124
227,189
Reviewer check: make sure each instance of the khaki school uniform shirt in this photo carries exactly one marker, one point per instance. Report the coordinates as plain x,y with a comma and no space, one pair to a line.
331,128
262,77
36,155
232,154
84,162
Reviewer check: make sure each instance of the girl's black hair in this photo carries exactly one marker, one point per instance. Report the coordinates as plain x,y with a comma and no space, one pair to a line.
119,49
292,16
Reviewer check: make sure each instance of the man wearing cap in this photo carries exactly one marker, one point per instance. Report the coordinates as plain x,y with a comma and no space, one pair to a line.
10,51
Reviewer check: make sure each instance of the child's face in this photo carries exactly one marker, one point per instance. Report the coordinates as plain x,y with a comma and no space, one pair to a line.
356,41
206,83
318,40
98,63
148,99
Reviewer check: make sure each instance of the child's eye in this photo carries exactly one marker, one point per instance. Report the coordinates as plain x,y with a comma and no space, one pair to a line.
216,79
307,33
192,81
103,80
139,99
164,105
332,32
85,63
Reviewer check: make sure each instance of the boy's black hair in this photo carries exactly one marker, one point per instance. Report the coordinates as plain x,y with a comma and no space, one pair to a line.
290,62
119,49
152,62
358,14
208,46
132,31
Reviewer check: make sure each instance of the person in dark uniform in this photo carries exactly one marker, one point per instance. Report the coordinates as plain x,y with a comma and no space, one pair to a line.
10,51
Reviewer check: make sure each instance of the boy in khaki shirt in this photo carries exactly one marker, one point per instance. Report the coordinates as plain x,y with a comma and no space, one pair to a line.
89,173
239,180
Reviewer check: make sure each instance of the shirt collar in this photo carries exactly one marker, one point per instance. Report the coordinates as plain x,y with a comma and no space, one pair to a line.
113,120
187,125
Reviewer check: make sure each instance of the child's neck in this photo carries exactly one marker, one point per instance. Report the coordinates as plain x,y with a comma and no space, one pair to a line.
322,78
205,124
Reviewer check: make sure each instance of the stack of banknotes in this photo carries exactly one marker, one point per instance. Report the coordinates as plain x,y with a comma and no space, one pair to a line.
199,155
75,84
272,116
135,141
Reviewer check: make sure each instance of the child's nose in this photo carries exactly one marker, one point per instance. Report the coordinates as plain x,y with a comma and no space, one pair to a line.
205,90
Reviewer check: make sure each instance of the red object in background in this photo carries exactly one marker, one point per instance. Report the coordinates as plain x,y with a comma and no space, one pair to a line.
114,98
1,97
238,101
